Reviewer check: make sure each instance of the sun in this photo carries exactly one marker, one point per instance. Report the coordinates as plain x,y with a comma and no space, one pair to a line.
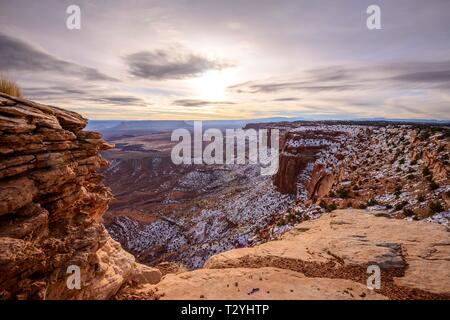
211,85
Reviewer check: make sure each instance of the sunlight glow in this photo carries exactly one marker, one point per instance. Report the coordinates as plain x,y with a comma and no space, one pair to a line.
211,85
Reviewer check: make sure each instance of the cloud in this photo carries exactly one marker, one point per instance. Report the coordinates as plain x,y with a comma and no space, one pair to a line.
270,87
121,100
18,55
172,63
425,77
432,75
90,94
199,103
286,99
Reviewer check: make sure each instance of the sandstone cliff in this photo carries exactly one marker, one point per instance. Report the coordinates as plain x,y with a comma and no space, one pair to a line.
402,169
51,204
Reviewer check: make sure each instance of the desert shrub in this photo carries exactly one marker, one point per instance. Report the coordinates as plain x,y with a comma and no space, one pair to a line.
408,212
342,193
411,176
401,161
388,206
424,135
372,202
448,193
435,207
323,204
332,207
362,206
426,171
397,190
433,185
291,217
413,162
400,206
10,87
421,198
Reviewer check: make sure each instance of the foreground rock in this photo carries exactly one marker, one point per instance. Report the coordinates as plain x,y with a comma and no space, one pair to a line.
253,284
51,204
414,257
323,259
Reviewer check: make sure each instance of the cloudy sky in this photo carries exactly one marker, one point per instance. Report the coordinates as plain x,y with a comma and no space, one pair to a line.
209,59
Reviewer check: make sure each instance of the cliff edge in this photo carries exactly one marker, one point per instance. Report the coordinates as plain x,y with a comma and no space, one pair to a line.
51,204
327,258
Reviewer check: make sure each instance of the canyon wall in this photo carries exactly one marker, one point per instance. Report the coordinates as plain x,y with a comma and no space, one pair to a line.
402,169
51,204
300,146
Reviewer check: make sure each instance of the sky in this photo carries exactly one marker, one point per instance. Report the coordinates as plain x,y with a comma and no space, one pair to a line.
246,59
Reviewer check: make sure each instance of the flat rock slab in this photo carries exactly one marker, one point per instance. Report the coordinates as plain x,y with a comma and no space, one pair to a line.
414,257
255,284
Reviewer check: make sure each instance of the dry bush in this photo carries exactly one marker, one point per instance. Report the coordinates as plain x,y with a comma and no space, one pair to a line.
10,87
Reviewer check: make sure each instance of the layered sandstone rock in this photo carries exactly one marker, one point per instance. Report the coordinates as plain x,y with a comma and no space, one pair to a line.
254,284
51,204
414,257
301,145
400,169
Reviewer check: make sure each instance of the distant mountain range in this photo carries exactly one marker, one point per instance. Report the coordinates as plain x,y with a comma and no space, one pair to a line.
109,127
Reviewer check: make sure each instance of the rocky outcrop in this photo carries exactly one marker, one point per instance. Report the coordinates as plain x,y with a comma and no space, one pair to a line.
51,204
300,146
402,169
320,182
413,256
254,284
289,168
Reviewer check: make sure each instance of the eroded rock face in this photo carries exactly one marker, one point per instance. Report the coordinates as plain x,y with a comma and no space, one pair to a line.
401,169
413,256
301,145
51,204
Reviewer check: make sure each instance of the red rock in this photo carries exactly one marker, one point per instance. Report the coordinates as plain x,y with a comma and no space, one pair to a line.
50,209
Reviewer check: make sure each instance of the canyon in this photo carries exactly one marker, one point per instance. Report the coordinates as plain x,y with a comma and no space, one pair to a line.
185,214
347,195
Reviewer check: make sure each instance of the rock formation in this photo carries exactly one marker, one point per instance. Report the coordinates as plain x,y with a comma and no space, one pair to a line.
402,169
51,204
300,146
